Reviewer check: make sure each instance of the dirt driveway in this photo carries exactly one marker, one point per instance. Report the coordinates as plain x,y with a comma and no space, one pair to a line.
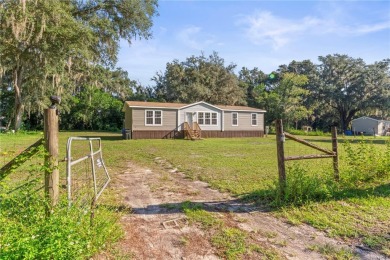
158,229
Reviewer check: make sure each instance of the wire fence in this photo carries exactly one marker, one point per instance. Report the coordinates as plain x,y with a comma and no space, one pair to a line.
24,174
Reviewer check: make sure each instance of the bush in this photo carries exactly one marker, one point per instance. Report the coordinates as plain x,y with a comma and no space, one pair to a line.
310,133
27,233
365,163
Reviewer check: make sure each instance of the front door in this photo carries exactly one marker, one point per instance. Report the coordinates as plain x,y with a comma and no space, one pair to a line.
190,119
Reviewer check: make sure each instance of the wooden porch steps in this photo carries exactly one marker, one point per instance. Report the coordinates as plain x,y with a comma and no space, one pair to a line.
194,133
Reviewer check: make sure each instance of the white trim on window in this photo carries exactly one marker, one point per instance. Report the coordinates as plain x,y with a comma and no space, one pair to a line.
254,119
153,117
234,119
208,118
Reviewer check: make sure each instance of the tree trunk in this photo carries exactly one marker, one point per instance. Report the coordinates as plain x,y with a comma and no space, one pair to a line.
346,118
19,107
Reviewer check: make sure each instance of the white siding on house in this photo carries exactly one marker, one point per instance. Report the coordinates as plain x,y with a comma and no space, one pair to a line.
201,108
366,125
386,127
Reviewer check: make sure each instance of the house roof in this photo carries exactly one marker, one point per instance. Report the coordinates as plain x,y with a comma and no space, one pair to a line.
181,105
370,118
154,104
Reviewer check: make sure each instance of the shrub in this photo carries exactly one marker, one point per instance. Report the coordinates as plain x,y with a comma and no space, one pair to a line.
365,163
303,186
27,233
309,133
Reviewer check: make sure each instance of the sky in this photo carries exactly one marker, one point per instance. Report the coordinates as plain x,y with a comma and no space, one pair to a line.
262,34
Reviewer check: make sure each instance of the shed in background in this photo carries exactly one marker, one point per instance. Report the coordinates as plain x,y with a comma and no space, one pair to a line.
370,126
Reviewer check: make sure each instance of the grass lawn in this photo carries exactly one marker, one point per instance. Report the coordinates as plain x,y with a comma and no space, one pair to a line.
357,207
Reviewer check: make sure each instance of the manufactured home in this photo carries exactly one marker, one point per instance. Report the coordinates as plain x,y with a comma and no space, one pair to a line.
370,126
151,120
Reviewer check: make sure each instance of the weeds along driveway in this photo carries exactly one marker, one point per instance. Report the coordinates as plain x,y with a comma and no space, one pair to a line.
174,217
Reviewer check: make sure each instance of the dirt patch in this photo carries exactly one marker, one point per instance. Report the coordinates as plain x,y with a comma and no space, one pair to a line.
158,229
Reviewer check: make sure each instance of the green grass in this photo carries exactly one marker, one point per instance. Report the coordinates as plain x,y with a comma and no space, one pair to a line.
330,252
356,208
231,242
25,230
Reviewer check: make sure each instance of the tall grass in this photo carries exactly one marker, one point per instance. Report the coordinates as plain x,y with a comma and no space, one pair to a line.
363,164
356,206
27,232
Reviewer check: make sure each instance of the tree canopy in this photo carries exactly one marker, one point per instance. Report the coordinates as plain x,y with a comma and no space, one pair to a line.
52,47
284,98
349,86
200,79
69,48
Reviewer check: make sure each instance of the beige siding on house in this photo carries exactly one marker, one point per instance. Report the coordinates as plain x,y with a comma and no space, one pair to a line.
244,121
128,118
168,120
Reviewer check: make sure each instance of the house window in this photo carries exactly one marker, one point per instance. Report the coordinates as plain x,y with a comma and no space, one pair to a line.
234,119
207,118
254,119
153,117
214,120
201,118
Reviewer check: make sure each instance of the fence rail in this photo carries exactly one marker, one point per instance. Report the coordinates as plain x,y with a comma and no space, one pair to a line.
20,159
280,139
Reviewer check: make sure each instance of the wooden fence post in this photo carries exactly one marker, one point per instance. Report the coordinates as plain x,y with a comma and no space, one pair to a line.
280,138
336,156
51,159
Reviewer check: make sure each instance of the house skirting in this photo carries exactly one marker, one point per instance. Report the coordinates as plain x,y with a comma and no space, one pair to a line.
205,134
229,134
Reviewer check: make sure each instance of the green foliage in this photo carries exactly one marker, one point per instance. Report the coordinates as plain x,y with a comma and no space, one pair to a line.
284,97
309,133
200,79
304,186
249,80
331,252
196,214
348,85
26,230
93,109
366,163
232,241
52,47
27,233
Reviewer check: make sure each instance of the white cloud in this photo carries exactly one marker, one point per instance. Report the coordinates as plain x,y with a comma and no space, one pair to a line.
266,28
363,29
194,38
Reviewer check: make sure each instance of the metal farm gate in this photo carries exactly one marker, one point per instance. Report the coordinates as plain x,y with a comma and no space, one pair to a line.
87,175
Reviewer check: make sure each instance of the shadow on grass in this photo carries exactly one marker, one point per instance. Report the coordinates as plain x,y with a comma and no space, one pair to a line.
113,137
235,205
257,201
378,191
352,141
